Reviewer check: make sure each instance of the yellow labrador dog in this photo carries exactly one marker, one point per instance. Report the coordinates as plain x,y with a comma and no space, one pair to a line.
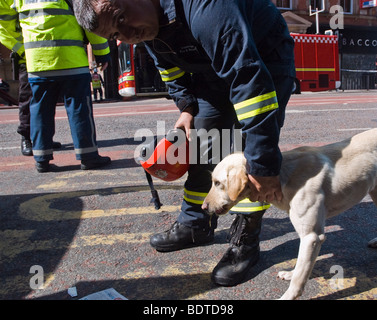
317,183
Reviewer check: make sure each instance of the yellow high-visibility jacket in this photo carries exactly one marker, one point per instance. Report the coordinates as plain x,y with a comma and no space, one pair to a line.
10,32
53,40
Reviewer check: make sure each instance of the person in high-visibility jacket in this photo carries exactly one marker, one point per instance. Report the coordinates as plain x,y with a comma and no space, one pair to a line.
97,83
226,62
57,65
12,39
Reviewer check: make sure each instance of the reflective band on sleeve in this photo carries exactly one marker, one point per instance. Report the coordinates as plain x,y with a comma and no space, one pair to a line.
194,197
171,74
7,17
17,46
100,46
246,206
255,106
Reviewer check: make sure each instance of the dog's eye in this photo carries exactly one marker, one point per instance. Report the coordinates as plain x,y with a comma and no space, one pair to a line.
217,183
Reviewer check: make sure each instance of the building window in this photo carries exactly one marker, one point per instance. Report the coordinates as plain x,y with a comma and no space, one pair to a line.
347,5
284,4
316,4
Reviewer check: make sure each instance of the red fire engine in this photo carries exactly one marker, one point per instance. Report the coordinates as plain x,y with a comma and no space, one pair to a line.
138,75
316,60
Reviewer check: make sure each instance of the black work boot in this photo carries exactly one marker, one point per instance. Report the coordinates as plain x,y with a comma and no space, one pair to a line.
56,145
43,166
26,147
243,252
95,162
181,237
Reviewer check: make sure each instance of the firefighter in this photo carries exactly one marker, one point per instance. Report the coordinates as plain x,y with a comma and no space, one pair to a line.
11,37
57,64
226,62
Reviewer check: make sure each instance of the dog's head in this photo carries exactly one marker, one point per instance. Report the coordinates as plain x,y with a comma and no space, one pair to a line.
229,185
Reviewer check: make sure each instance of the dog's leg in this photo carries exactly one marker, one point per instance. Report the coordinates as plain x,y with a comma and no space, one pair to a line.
308,218
373,194
310,246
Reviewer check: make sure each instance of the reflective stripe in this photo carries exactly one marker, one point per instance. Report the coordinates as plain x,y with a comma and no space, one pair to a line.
100,46
86,150
44,12
315,69
7,17
17,47
255,106
42,152
194,197
58,73
171,74
36,1
247,206
53,43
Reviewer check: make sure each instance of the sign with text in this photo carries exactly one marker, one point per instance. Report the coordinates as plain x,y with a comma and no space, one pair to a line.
362,40
368,4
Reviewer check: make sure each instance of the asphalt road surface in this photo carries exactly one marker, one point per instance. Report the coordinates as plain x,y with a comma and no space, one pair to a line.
91,229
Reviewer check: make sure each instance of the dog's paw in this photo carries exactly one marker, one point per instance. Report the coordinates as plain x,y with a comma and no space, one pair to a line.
372,243
285,275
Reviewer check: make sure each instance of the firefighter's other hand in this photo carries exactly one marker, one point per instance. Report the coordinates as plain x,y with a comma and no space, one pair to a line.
103,66
185,122
265,189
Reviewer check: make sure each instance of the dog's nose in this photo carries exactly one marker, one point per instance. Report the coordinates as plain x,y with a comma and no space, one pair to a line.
205,206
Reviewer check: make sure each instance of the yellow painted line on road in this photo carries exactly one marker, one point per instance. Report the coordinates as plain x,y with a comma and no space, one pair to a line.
49,214
109,240
13,164
40,208
66,180
14,242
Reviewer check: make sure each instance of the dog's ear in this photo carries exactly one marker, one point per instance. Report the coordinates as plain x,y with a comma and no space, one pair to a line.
237,181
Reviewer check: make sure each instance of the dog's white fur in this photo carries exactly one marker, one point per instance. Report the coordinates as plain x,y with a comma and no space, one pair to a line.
317,183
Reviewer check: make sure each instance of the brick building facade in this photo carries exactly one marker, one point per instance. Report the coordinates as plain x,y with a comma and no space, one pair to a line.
357,35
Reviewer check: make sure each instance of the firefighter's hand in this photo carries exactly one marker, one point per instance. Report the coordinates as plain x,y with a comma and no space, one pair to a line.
103,66
265,189
185,122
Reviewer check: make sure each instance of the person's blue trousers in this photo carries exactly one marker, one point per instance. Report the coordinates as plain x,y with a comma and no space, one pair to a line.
78,103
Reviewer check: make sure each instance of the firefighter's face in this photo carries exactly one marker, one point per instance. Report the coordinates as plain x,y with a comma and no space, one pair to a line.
129,21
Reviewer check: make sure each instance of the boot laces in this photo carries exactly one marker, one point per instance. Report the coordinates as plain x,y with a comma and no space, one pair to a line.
237,230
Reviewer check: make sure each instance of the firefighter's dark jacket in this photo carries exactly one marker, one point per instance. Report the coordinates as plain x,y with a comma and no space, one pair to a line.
221,41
